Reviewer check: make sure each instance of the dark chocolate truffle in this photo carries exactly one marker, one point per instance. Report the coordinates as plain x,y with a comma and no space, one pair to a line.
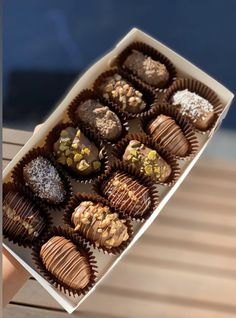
62,259
195,108
120,91
98,224
150,71
44,180
127,194
21,218
147,160
101,118
75,151
169,135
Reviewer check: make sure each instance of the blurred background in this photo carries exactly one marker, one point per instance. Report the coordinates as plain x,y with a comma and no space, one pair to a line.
48,44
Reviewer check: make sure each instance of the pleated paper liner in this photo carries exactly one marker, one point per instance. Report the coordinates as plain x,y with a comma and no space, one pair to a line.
120,147
25,193
18,176
186,127
199,88
89,94
155,55
130,171
81,247
148,94
54,135
75,202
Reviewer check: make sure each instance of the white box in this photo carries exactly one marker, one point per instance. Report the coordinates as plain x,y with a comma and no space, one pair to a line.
107,262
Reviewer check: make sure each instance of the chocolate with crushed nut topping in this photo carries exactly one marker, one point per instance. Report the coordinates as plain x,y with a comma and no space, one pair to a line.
147,160
98,224
100,117
150,71
75,151
120,91
21,218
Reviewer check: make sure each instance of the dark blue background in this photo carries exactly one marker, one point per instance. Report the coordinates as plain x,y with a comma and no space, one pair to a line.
47,43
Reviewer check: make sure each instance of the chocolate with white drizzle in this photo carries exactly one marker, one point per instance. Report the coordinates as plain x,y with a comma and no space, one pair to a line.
169,135
61,258
195,108
98,224
21,217
120,91
127,194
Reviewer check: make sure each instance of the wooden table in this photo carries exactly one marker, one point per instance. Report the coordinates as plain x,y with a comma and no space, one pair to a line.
184,265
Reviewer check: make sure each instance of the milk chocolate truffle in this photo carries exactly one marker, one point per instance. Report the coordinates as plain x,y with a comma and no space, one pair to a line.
118,90
44,180
62,259
169,135
100,117
147,160
195,108
21,217
98,224
150,71
76,152
127,194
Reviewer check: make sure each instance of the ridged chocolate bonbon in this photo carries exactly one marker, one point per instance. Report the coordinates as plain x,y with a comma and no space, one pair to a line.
169,135
63,260
127,194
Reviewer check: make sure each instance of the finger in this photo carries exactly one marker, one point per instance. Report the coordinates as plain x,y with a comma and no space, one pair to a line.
36,128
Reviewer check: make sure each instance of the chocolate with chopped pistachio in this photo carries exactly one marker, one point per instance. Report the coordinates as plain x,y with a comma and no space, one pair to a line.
99,225
121,92
147,160
75,151
127,194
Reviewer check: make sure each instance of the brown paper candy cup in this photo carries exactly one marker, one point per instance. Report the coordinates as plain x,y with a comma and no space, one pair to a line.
119,150
187,128
148,94
136,175
89,94
81,247
155,55
54,135
75,201
200,89
18,176
22,190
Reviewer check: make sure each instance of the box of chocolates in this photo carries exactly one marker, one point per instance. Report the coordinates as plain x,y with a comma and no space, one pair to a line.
98,172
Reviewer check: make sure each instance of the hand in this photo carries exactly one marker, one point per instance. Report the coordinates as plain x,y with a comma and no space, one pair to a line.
14,275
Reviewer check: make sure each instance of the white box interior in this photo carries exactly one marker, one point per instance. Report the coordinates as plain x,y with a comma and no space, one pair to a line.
107,262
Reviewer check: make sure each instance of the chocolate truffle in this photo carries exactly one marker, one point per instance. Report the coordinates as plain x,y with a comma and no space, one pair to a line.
62,259
169,135
195,108
100,117
150,71
147,161
127,194
21,217
44,180
75,151
118,90
98,224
